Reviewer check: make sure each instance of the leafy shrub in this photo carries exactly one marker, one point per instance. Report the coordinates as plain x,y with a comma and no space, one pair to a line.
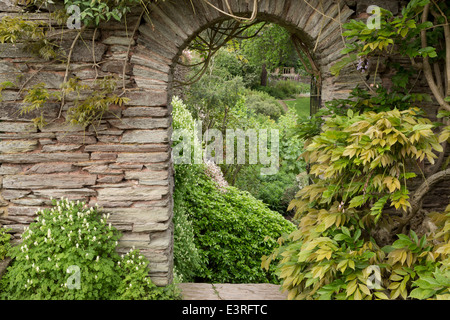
285,89
186,255
187,259
276,190
182,118
71,241
233,230
228,62
93,13
135,283
207,245
360,167
4,242
213,97
263,103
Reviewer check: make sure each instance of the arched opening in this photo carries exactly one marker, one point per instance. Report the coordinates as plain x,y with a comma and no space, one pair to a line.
169,30
233,96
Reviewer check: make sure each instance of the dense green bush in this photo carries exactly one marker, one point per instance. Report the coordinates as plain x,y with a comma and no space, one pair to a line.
187,259
263,103
69,252
278,189
186,255
212,99
285,89
4,242
275,190
233,230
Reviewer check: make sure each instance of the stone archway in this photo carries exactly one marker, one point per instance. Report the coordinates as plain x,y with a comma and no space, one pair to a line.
171,26
124,165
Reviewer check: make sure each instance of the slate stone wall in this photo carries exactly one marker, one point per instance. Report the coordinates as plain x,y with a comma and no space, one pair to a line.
124,165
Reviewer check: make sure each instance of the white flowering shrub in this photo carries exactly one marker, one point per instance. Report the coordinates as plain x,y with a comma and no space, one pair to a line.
135,283
215,173
182,118
69,252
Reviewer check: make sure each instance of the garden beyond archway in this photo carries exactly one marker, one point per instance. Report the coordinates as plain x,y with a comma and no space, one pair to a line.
318,30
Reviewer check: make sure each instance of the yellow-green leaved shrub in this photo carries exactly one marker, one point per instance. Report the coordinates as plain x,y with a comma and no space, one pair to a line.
361,164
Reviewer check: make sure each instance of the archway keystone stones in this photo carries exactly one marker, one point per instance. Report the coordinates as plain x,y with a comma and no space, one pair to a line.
124,165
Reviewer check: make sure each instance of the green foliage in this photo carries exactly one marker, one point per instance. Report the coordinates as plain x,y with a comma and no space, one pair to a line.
67,236
263,103
359,100
235,64
278,189
96,11
5,245
135,283
213,98
274,190
362,161
32,33
379,144
35,99
186,256
233,230
291,145
400,33
202,214
272,46
362,152
187,259
16,29
87,111
90,110
285,89
182,118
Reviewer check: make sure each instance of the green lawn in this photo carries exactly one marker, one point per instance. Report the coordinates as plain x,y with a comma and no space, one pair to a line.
300,105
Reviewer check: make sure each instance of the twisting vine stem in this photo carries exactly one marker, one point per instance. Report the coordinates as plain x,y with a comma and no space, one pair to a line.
66,74
211,40
237,18
125,62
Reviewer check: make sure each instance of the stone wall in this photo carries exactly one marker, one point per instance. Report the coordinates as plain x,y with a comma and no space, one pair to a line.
124,165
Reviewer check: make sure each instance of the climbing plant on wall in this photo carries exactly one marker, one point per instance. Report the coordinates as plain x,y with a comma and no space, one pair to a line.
44,40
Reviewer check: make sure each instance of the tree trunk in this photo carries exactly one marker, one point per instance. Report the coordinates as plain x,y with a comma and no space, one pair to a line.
264,75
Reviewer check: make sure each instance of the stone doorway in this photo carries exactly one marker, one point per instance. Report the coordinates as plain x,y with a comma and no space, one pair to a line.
125,165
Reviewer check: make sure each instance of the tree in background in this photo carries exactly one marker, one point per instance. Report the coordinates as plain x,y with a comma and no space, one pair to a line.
270,48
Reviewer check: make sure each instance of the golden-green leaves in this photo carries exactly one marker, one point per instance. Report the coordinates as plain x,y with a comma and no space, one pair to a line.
372,151
85,110
16,29
90,110
359,166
